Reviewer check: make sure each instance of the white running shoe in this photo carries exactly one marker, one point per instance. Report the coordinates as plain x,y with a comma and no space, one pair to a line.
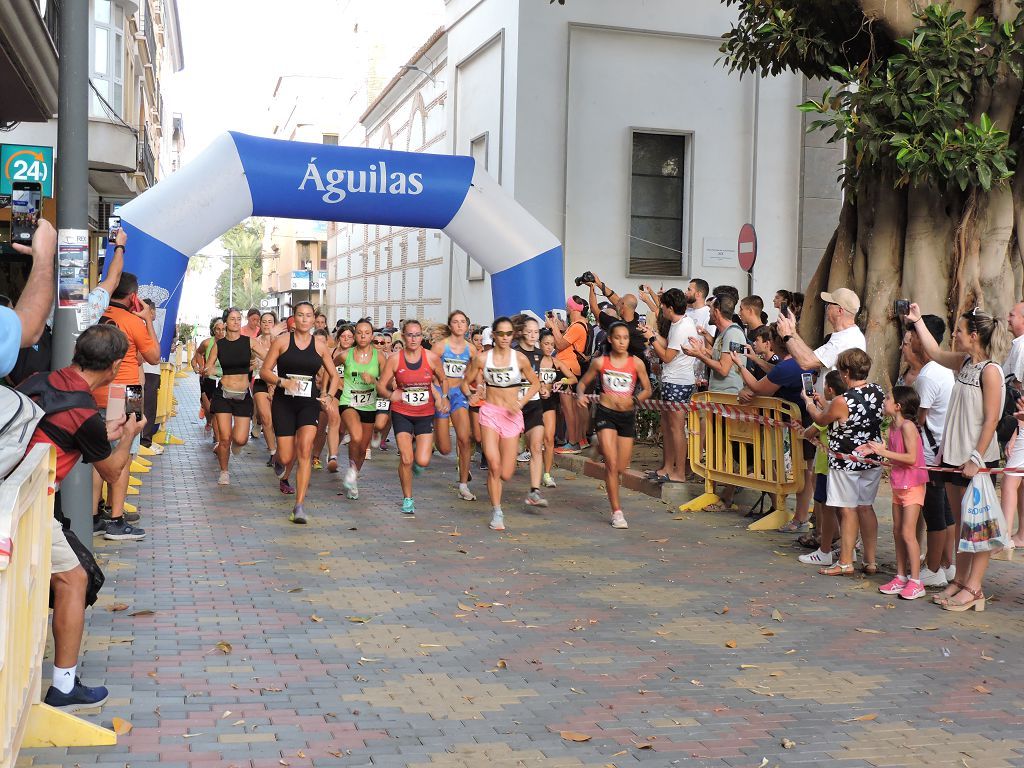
351,477
817,557
465,494
619,520
156,448
498,521
524,457
368,454
375,440
548,481
932,578
950,573
224,479
347,439
236,448
534,499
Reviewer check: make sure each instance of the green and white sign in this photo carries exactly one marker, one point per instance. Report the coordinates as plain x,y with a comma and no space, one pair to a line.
19,162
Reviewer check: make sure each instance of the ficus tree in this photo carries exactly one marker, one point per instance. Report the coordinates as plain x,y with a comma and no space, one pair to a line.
926,98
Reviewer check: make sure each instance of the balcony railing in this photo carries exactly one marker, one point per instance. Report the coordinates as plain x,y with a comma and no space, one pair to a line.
150,39
147,161
52,21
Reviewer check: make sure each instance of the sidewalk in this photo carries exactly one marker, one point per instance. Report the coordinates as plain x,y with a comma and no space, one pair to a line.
369,639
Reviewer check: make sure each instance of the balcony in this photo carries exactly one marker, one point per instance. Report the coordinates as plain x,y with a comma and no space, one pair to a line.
28,61
147,161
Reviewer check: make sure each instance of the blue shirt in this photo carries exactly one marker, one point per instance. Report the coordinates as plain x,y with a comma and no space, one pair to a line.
10,339
787,375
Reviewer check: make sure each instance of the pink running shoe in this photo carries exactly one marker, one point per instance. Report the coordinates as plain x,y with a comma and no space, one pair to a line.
913,590
894,587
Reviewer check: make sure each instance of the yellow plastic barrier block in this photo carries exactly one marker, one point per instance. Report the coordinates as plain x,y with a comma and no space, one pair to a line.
133,482
49,727
772,521
144,462
130,507
698,504
139,468
132,491
145,451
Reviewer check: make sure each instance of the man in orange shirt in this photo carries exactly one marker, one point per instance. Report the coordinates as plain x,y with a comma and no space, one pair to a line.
129,314
567,345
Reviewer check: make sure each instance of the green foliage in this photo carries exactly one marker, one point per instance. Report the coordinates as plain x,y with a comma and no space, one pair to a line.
909,107
244,243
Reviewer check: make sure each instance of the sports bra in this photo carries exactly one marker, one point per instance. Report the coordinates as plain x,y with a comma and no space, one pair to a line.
413,381
300,362
618,381
234,356
534,356
455,362
505,377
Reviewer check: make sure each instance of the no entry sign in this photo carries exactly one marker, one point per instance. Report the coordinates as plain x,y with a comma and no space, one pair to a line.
746,247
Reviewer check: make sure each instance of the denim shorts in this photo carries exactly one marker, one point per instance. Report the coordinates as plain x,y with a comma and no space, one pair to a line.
676,393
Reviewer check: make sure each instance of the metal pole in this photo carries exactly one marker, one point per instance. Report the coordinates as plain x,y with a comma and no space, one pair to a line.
72,179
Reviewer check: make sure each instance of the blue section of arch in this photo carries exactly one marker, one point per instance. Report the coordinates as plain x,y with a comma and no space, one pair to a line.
353,184
535,284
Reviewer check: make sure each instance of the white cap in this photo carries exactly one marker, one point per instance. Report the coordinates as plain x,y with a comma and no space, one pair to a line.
487,338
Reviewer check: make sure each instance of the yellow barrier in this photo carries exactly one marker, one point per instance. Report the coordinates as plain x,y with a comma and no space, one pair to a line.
165,406
26,512
747,454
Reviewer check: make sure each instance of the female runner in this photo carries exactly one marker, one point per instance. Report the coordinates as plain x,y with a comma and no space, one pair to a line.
474,401
528,336
299,356
261,393
503,370
413,370
232,400
382,423
207,382
360,369
456,353
615,421
329,430
551,369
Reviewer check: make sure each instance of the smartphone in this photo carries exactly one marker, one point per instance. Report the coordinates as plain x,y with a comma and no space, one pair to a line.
901,307
642,319
133,401
784,309
26,206
737,347
113,225
808,382
548,313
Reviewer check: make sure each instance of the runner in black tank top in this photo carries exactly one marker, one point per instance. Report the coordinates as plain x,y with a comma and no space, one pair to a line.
528,334
297,403
231,403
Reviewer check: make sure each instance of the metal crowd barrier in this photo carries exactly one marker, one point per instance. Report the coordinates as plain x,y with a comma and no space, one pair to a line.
26,514
755,446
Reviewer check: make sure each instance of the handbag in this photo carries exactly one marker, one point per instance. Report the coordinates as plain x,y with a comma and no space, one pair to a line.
89,565
982,525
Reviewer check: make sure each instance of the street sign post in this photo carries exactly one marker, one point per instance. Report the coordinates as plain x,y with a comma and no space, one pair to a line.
20,162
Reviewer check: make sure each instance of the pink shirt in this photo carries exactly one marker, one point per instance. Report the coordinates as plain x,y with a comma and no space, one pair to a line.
902,476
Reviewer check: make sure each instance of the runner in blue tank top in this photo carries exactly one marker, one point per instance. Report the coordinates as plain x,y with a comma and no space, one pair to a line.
455,358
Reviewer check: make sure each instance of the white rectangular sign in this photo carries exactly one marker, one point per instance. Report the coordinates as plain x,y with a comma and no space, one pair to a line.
719,252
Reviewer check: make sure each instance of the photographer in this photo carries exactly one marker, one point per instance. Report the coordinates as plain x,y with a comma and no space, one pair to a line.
23,325
625,306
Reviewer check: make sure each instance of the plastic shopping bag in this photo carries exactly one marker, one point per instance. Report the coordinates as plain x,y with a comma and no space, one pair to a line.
982,526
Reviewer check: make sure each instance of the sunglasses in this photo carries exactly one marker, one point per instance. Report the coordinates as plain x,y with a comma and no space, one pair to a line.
503,333
378,342
414,335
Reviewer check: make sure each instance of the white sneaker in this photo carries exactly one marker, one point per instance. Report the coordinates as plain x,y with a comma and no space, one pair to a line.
548,481
224,479
498,522
524,457
465,494
368,454
949,573
351,477
375,440
347,439
619,520
156,448
933,578
534,499
817,557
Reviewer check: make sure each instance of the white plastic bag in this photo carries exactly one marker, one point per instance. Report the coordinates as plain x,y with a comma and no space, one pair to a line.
982,525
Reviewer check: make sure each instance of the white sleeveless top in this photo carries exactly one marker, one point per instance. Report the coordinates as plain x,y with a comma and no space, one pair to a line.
502,377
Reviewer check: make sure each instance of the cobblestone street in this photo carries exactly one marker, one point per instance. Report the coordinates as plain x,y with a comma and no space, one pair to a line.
230,637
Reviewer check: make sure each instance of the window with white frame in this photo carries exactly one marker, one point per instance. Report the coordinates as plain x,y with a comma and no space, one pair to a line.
657,204
106,49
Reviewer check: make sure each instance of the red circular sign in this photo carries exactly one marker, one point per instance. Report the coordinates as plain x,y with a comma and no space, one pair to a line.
746,248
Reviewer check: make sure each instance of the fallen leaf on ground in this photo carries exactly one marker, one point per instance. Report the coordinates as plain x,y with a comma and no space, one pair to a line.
430,645
359,619
143,612
315,618
862,718
645,746
748,666
787,744
730,643
121,726
252,562
870,631
190,735
982,689
698,683
502,664
723,610
295,589
657,541
226,713
118,607
986,657
574,736
224,647
776,615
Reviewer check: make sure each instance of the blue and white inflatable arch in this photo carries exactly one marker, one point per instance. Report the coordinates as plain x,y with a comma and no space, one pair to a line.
239,176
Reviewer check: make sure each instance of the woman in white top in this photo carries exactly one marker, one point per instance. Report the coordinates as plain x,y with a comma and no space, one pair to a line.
969,439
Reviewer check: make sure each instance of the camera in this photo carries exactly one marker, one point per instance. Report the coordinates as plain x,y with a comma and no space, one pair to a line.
586,277
901,307
735,346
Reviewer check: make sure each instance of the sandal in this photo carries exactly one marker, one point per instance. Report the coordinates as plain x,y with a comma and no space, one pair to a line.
940,600
978,603
809,541
795,527
839,569
870,569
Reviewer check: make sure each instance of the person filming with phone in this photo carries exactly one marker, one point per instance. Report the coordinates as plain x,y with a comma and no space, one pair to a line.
23,325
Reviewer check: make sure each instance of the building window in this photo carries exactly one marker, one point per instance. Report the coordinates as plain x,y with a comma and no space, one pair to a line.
107,56
657,204
478,151
331,138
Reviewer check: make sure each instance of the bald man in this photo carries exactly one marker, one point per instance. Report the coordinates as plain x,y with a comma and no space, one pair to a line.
625,306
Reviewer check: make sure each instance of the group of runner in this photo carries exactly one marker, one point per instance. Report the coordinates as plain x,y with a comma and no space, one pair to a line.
494,390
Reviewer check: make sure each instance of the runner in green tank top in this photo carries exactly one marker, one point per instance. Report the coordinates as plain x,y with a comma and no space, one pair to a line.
358,402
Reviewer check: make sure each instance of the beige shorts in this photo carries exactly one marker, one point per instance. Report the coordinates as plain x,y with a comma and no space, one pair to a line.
62,556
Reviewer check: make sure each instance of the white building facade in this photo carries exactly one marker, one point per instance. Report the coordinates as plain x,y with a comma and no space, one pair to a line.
615,126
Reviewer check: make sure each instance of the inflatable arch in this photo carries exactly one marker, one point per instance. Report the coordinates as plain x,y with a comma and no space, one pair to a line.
239,176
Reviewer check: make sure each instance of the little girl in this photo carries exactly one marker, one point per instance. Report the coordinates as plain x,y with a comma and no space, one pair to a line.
908,478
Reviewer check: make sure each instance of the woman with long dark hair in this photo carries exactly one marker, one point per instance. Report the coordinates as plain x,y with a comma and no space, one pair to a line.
360,367
261,393
232,402
456,352
208,381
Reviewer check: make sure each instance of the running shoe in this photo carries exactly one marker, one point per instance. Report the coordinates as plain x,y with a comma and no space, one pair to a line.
80,697
156,448
417,470
351,483
949,571
99,525
619,520
317,464
224,479
817,557
298,515
893,587
352,493
346,439
375,441
913,590
930,578
279,469
332,464
569,448
270,460
483,463
498,521
465,494
534,499
524,457
408,507
384,445
257,429
285,486
119,529
368,455
548,481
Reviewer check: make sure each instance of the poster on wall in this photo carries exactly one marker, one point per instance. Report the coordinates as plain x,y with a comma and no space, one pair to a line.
72,266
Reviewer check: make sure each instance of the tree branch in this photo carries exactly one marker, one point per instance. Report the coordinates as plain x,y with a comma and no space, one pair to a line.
897,16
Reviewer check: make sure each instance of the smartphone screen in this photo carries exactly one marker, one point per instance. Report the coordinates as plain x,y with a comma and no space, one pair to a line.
133,401
901,307
808,382
26,204
114,224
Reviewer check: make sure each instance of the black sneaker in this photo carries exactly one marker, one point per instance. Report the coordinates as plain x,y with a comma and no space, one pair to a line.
128,517
99,525
120,530
81,697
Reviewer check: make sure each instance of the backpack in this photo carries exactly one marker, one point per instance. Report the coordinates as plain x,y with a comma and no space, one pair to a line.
16,430
1006,427
590,346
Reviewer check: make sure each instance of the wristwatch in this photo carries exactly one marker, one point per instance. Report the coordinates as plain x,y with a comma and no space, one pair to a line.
785,339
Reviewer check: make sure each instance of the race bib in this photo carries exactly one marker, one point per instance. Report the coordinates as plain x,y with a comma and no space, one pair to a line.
341,372
361,399
305,388
416,396
383,405
256,375
454,369
548,375
619,383
500,377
